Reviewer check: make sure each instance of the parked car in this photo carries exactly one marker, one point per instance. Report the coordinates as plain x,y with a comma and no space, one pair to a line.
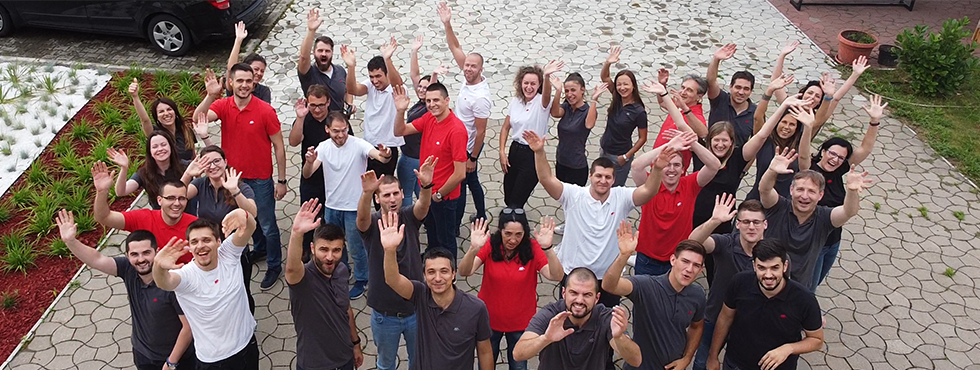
171,26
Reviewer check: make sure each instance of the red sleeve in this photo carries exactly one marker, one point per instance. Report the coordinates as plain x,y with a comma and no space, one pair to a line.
540,259
421,122
457,140
136,219
272,125
484,253
219,107
692,181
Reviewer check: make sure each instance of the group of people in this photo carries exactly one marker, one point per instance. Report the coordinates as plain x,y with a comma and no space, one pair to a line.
370,196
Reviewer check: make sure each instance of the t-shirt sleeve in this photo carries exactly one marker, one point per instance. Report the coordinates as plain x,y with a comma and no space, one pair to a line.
722,242
246,190
186,284
722,96
365,147
540,259
734,288
812,320
641,118
122,266
692,184
218,107
640,284
172,297
136,177
230,250
419,293
539,322
569,194
457,140
484,253
321,152
137,220
483,326
421,122
699,306
481,109
272,125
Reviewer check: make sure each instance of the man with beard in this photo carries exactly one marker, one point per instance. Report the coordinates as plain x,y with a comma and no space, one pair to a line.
763,315
733,254
344,159
577,332
392,316
326,336
734,106
211,291
669,308
801,222
451,323
250,130
593,213
161,336
168,222
309,130
379,109
333,76
473,106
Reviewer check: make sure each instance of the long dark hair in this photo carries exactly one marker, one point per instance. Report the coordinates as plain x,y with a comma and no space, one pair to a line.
179,125
229,200
793,141
810,84
524,252
617,101
831,142
150,172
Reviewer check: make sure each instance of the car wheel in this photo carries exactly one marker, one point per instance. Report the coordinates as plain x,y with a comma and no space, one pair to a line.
6,23
169,35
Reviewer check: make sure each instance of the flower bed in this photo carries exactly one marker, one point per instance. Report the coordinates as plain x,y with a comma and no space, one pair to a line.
34,263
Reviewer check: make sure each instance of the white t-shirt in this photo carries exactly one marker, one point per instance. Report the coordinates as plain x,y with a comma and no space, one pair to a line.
342,170
531,116
216,305
590,227
379,118
473,102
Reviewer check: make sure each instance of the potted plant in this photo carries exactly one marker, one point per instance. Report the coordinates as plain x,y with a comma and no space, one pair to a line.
854,43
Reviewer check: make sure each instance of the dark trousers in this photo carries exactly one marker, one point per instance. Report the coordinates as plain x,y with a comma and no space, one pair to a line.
246,359
471,182
380,168
577,176
521,178
441,225
188,362
247,277
348,366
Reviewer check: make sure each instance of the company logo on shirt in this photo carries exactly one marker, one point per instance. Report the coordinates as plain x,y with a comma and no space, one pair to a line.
455,329
782,316
520,268
215,281
251,122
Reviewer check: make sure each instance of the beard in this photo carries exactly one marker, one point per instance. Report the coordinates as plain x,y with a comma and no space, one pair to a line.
585,314
323,66
324,268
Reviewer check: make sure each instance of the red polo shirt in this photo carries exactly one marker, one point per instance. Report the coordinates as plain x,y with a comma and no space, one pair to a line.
245,136
510,289
152,221
667,219
669,124
446,141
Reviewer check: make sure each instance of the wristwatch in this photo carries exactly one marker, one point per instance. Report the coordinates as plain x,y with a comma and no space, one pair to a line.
171,365
438,196
473,159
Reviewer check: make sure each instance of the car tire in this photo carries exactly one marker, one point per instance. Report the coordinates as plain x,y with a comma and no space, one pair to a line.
169,35
6,22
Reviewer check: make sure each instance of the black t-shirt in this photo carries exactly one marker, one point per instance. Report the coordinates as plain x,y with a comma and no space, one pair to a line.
762,324
319,310
336,84
618,137
722,110
727,180
730,259
783,180
833,193
804,241
572,135
155,314
447,337
380,296
314,133
587,348
413,143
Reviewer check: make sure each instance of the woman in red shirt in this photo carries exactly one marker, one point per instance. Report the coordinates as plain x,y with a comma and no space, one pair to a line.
512,260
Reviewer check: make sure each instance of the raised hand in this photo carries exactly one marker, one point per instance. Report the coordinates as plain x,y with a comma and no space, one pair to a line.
301,109
653,88
664,158
424,172
101,176
670,134
445,15
313,20
196,167
417,43
857,181
347,53
533,140
556,83
795,101
553,66
803,115
627,238
167,256
306,219
391,233
663,75
724,208
235,222
860,65
614,52
683,141
725,52
370,182
118,157
556,328
211,84
618,322
781,161
134,88
781,81
828,84
384,151
388,49
789,48
240,32
401,98
599,89
876,109
66,225
441,70
310,154
678,100
479,234
232,176
201,125
545,235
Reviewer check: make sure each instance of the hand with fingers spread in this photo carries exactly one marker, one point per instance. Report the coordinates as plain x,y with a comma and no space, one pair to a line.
772,359
211,84
804,115
232,177
401,98
441,70
556,328
301,109
556,83
789,48
347,53
134,88
683,141
653,88
670,134
417,43
119,157
795,101
311,154
619,322
66,225
313,20
552,67
724,208
664,158
857,181
781,82
875,108
201,125
828,84
725,52
860,65
782,160
663,76
307,219
196,167
479,234
445,15
424,172
240,32
679,101
599,90
627,238
545,235
167,256
235,222
389,48
370,182
391,233
614,52
533,140
102,177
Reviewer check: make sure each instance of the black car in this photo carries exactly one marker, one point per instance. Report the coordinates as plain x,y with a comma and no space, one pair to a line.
171,26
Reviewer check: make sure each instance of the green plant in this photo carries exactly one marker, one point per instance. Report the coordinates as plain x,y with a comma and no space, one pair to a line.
937,64
38,176
877,206
78,200
132,125
22,197
63,146
41,222
135,71
959,215
859,37
189,95
5,148
69,160
82,130
75,284
58,248
924,212
50,84
8,300
6,211
18,253
163,82
64,186
950,272
84,222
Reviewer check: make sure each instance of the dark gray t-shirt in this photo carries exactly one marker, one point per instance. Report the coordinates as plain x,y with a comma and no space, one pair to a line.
447,338
211,205
572,135
662,317
380,296
783,181
804,240
336,83
722,110
585,349
618,137
730,259
155,314
319,309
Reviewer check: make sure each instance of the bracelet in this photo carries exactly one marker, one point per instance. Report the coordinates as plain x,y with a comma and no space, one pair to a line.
663,95
828,98
688,111
427,187
237,194
547,249
282,182
206,137
875,124
356,342
766,97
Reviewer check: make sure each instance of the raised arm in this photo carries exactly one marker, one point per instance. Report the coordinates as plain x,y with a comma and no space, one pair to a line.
391,236
556,110
296,132
593,114
754,144
312,163
776,86
145,122
604,75
478,239
424,176
711,164
445,15
213,92
240,34
621,343
369,186
725,52
545,237
612,281
805,118
100,207
824,113
777,70
650,187
89,256
723,212
415,73
232,180
551,184
680,142
532,343
124,186
856,182
238,225
166,260
387,50
779,165
875,111
306,220
668,104
549,70
350,59
401,106
313,22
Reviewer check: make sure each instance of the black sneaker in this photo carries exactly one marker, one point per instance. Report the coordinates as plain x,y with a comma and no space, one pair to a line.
256,257
270,279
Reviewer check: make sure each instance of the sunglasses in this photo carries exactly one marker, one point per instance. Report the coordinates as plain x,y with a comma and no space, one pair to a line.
516,211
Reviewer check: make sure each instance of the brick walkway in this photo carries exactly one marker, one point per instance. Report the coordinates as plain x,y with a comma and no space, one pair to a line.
888,304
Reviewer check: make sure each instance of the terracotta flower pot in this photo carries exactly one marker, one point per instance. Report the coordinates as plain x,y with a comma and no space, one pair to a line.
848,50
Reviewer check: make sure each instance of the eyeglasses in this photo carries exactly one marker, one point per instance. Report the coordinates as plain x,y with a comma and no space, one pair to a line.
317,106
174,198
835,155
213,163
516,211
751,222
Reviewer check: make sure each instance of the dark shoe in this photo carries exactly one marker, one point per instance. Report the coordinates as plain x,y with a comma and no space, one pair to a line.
271,277
256,256
357,291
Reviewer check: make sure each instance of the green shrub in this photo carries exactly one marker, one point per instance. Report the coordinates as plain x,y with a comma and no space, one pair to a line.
6,211
8,300
58,248
18,253
937,64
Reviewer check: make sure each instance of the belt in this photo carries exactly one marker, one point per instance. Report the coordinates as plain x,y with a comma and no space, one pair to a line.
395,314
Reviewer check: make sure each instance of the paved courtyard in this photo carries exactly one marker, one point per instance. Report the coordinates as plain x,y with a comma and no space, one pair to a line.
888,303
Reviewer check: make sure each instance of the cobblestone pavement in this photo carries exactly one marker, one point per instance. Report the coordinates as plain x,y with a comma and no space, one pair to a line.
888,303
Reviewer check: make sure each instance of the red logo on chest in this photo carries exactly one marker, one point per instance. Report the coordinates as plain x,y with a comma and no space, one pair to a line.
215,281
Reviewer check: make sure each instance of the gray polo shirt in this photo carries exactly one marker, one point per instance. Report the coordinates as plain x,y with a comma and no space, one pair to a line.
572,135
380,296
213,204
585,349
804,240
336,83
662,317
447,338
155,314
319,309
730,259
722,110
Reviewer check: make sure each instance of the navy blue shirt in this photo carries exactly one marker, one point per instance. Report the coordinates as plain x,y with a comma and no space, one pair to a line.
722,110
618,138
572,135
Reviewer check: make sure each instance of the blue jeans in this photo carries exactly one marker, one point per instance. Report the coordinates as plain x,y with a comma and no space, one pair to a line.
266,236
472,181
406,176
347,220
649,266
441,225
386,330
821,268
701,358
512,338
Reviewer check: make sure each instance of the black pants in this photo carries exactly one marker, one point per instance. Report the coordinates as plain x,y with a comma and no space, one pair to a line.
187,362
521,178
577,176
246,359
380,168
247,277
